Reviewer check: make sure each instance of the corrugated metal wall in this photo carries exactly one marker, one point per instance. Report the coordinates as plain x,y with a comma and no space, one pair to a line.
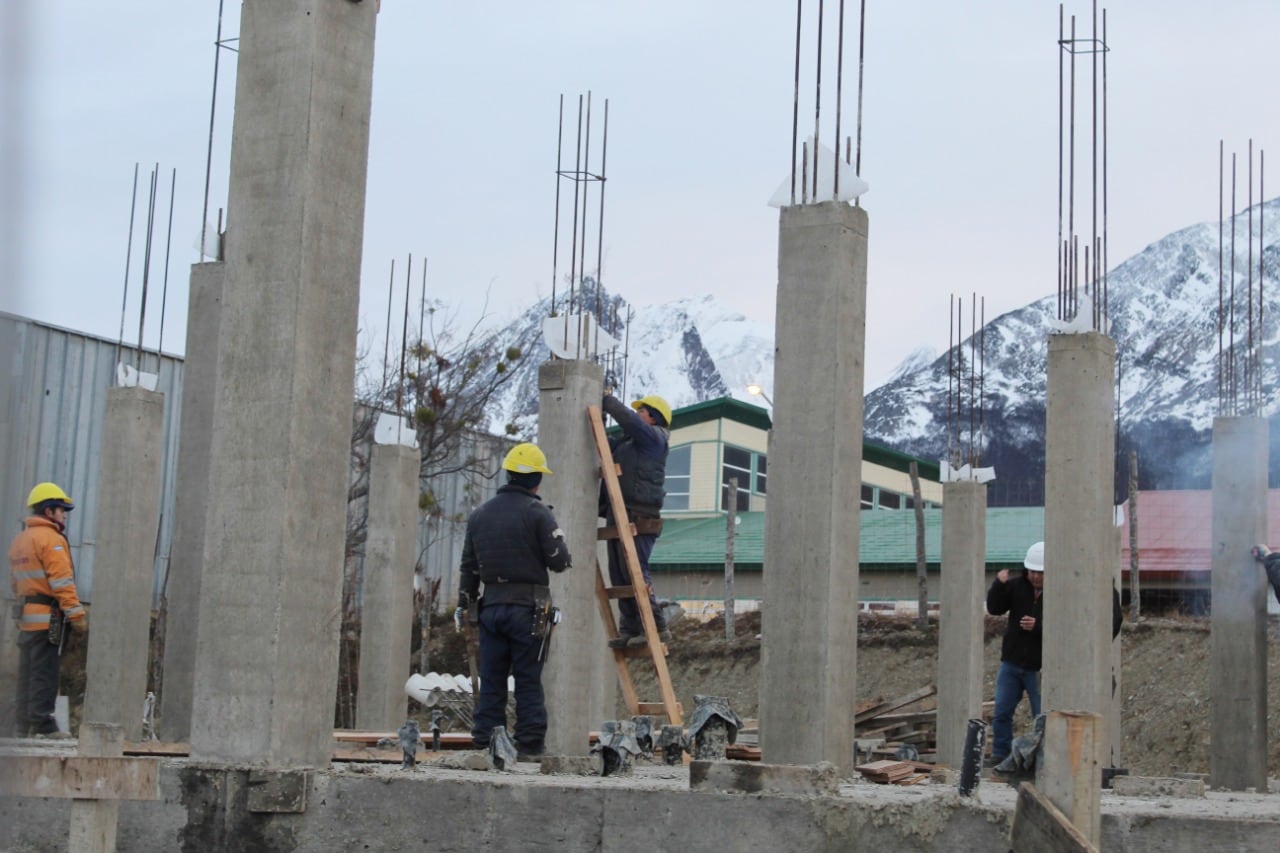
53,395
53,385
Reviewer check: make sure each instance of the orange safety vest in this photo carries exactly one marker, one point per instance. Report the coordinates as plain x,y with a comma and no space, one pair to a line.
40,565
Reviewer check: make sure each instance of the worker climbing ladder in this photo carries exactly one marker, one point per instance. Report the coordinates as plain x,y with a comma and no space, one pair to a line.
653,648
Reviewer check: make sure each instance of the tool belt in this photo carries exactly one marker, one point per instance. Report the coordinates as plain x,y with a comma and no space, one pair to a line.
646,525
513,593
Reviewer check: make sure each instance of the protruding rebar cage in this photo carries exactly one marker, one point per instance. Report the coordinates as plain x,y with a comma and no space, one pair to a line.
807,153
585,309
1094,266
1240,330
965,440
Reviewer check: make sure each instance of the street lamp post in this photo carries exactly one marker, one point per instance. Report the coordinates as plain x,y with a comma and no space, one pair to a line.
756,391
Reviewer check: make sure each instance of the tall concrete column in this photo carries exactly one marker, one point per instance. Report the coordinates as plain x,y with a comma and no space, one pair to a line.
565,389
1079,536
270,598
386,605
809,646
964,556
128,507
1238,655
186,550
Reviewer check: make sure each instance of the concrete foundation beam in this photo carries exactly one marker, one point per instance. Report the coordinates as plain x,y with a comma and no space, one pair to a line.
1155,786
750,777
128,507
382,809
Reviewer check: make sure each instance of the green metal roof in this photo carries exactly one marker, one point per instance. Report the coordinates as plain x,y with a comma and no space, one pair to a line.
887,539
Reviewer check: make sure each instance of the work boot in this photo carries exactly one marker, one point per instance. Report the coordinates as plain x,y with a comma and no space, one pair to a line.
623,640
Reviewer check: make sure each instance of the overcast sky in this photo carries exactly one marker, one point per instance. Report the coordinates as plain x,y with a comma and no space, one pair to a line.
960,130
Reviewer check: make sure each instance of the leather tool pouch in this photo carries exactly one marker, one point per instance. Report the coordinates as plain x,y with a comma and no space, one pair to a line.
541,610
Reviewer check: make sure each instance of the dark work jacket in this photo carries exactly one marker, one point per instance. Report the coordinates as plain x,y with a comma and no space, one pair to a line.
1017,597
512,540
641,453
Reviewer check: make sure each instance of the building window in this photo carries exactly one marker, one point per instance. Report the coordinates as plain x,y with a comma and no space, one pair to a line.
677,481
743,465
762,464
868,496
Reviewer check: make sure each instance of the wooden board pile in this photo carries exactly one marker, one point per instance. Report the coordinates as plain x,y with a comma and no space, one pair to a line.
886,772
909,720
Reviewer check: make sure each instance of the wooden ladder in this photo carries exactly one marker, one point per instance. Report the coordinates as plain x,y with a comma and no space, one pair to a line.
653,648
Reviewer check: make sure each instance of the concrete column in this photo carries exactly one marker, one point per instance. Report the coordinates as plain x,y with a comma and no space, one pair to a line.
570,678
964,555
1238,656
128,507
1079,533
270,598
186,551
809,646
1070,770
390,554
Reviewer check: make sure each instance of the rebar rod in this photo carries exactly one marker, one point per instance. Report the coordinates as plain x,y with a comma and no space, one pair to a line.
604,154
795,107
128,255
862,28
555,237
146,264
835,188
164,289
817,103
208,157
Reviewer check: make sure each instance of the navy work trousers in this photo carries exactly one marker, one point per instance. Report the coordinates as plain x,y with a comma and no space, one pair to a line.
1011,682
508,648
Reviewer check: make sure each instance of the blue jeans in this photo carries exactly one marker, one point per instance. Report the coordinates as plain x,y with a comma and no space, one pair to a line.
508,647
1011,682
629,623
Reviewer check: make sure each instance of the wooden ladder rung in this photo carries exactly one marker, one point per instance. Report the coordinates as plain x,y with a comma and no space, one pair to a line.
620,592
657,709
639,651
611,532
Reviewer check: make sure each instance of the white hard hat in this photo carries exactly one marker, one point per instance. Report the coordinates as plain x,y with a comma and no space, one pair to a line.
1035,557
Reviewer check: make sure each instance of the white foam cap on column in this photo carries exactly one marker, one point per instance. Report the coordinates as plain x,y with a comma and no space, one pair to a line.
393,429
564,333
964,473
851,185
127,377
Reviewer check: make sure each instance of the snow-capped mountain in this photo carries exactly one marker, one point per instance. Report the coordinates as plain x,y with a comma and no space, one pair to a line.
688,351
1163,308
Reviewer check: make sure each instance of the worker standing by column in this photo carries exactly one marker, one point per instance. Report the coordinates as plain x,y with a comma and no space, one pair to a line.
641,452
512,540
43,582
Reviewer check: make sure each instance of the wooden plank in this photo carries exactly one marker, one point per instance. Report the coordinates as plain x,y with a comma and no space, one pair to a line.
627,538
80,777
895,704
616,592
1039,825
658,709
156,747
608,531
370,737
742,752
628,687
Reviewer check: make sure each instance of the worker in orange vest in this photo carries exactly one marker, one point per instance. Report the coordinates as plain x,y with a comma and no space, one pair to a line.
43,582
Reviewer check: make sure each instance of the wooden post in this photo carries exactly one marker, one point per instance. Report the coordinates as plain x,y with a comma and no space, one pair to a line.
1070,772
922,573
95,780
731,521
1135,600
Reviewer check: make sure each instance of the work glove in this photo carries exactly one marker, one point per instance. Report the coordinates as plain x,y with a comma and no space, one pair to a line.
458,616
81,625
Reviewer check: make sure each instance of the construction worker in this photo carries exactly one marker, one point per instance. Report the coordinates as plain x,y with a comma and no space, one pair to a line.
641,453
1271,565
1022,598
512,540
43,582
1020,652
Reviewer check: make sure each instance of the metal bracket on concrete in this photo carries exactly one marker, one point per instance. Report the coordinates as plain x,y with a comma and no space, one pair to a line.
278,791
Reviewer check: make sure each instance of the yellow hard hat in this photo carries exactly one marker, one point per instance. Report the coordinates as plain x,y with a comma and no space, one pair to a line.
656,403
44,492
526,459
